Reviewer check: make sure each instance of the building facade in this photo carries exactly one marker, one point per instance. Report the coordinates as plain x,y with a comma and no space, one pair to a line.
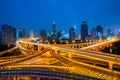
21,33
72,33
60,35
43,35
53,37
93,34
84,30
99,32
8,35
54,29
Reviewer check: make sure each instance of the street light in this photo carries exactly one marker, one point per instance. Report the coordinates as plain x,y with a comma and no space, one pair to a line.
73,41
81,41
41,41
54,42
60,41
67,42
86,40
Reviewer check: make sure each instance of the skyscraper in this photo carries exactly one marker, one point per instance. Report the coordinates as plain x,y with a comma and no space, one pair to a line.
84,30
109,33
60,35
116,31
21,33
31,34
93,34
54,28
72,33
118,35
8,34
99,32
53,37
43,34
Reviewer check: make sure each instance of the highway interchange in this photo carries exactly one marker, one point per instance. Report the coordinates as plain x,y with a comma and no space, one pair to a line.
63,58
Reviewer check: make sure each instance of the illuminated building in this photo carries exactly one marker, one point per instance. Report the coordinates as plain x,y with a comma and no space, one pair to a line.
8,35
49,33
43,35
93,34
118,33
60,35
72,33
108,32
53,37
21,33
31,34
84,30
99,32
54,28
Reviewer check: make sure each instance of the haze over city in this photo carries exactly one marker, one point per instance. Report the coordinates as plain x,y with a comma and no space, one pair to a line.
40,14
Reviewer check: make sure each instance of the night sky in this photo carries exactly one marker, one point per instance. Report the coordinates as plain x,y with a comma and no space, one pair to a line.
40,14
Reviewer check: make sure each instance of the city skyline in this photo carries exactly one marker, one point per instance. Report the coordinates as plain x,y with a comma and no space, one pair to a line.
38,15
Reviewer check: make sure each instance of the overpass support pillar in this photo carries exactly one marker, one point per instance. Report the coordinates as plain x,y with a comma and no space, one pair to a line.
51,51
110,65
31,47
69,55
27,78
39,48
75,47
38,78
78,46
94,64
14,78
8,78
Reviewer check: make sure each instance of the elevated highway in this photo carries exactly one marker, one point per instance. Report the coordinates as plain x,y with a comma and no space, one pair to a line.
34,51
97,56
76,64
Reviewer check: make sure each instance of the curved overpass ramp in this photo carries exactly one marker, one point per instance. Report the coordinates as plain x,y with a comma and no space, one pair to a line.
87,69
9,50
